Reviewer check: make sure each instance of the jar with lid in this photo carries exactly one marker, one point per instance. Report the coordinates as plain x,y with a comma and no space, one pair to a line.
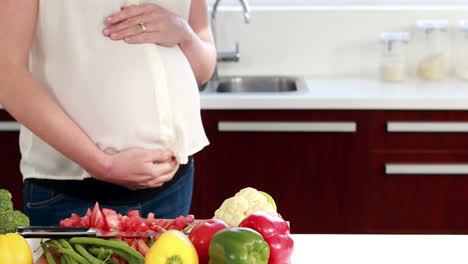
394,62
433,49
461,50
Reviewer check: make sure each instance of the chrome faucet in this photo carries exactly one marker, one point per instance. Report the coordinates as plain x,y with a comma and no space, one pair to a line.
227,55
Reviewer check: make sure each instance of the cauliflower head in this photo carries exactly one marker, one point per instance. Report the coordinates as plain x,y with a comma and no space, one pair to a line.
247,201
232,211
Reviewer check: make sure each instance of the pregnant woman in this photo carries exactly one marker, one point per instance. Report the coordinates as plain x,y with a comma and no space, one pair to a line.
106,92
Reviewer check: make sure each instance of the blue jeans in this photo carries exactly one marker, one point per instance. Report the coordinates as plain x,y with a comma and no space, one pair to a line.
46,207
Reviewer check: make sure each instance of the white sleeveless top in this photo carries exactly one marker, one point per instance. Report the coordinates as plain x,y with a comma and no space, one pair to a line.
122,95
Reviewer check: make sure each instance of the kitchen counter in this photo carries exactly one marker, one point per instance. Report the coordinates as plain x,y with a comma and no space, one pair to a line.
372,249
382,249
349,94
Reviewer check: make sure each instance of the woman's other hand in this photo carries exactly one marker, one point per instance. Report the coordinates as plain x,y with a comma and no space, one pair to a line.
160,26
138,168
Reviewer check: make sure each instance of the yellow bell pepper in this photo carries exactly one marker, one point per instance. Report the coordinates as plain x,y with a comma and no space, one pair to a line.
14,249
172,247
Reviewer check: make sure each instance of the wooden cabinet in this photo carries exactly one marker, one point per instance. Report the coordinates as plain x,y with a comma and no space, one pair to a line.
399,172
330,171
419,172
418,192
10,156
311,161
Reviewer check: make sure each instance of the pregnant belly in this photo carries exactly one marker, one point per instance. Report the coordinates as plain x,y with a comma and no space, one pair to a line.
114,100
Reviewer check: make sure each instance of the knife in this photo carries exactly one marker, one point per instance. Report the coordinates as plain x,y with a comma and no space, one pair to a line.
67,232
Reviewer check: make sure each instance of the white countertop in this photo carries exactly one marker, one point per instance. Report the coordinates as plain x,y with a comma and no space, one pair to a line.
373,249
380,249
350,94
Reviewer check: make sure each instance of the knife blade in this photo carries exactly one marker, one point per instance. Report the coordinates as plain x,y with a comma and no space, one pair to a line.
67,232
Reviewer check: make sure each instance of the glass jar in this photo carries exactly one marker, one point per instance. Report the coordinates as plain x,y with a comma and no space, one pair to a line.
433,42
461,51
394,63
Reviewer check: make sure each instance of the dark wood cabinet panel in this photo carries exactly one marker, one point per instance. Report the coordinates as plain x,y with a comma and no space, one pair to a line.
310,175
10,156
417,204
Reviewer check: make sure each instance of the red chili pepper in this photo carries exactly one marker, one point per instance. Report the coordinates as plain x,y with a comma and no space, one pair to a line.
275,231
201,235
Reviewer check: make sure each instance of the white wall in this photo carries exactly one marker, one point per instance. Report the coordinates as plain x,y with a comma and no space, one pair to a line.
318,42
342,2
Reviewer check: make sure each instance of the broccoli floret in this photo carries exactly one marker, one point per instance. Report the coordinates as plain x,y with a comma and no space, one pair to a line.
5,205
21,219
9,220
5,200
6,193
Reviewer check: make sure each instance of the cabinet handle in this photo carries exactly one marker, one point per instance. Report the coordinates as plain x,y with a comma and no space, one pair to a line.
425,169
9,126
228,126
428,127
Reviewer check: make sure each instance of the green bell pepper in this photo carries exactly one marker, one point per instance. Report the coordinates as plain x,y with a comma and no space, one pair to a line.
238,246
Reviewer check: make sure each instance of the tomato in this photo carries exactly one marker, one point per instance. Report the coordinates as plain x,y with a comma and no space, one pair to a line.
181,222
86,220
96,221
133,213
73,221
142,246
201,235
162,222
111,219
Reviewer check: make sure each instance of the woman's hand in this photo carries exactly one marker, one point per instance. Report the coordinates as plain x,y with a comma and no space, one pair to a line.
138,168
161,26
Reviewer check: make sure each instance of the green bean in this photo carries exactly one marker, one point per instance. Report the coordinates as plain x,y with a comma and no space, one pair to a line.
65,243
54,243
49,257
94,251
102,254
118,241
130,259
120,253
97,250
85,254
63,260
70,260
109,244
73,255
112,261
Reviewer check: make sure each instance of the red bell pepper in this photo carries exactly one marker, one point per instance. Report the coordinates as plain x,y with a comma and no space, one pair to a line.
275,231
201,235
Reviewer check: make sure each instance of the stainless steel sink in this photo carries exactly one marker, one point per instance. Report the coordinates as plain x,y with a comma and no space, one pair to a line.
256,84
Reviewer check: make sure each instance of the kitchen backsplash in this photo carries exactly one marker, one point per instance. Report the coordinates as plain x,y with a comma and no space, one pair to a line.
318,42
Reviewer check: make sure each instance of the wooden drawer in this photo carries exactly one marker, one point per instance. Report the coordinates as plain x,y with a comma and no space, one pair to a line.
419,130
418,192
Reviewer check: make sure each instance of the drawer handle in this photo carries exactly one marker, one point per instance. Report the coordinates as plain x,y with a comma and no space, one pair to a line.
425,169
339,127
9,126
428,127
